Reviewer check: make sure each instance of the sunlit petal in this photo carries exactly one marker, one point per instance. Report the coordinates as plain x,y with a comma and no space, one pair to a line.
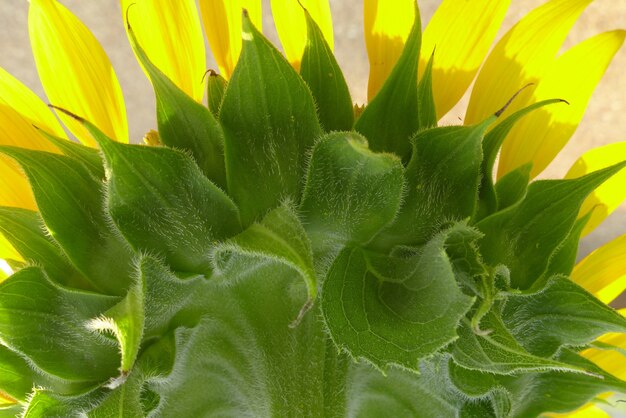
16,129
573,77
522,56
26,103
14,188
162,27
75,72
587,411
292,28
387,25
461,33
5,269
606,198
603,272
222,24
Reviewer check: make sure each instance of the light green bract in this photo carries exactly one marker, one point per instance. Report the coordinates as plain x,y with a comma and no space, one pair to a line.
277,256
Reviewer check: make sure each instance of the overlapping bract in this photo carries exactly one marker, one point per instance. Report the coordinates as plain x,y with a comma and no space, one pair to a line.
249,242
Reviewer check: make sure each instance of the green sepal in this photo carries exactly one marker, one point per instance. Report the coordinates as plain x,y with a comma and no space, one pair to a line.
513,186
565,313
183,122
427,114
442,182
70,203
389,310
270,122
279,237
496,351
11,410
393,116
24,230
16,377
320,71
524,236
161,202
559,391
216,86
90,157
47,323
351,193
563,259
491,145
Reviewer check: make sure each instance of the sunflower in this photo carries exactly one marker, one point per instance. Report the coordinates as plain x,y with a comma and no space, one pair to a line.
550,92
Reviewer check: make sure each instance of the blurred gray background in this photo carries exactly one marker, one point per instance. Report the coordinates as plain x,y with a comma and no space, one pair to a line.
604,121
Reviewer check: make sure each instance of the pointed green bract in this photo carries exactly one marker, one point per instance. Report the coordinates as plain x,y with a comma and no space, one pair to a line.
324,77
155,211
393,311
397,112
90,157
70,203
183,122
216,86
351,193
270,122
525,235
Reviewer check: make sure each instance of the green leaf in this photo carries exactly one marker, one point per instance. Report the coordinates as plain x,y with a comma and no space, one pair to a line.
524,236
473,384
70,202
442,181
513,186
47,324
90,157
559,391
320,71
393,116
183,122
46,403
161,202
491,145
122,402
351,193
497,351
427,114
216,86
563,259
24,230
16,377
389,310
565,313
254,364
279,237
270,122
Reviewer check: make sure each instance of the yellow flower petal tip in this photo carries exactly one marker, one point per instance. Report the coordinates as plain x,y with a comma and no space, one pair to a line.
573,76
75,71
292,27
161,27
222,24
387,27
612,192
15,190
603,272
461,33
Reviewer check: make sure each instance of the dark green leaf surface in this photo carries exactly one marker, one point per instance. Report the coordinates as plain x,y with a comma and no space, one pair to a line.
161,202
393,116
270,122
183,122
70,202
324,77
524,236
49,325
393,311
564,312
351,193
16,376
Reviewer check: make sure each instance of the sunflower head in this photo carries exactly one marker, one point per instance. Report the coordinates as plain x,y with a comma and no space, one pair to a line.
279,251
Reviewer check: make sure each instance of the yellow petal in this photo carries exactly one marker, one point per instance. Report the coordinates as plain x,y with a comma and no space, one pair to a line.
162,27
7,252
387,26
587,411
75,72
610,360
21,99
16,129
521,57
461,33
292,28
603,272
606,198
5,269
14,188
573,77
222,24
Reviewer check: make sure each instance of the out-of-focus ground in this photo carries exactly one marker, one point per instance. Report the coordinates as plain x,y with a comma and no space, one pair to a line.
604,121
